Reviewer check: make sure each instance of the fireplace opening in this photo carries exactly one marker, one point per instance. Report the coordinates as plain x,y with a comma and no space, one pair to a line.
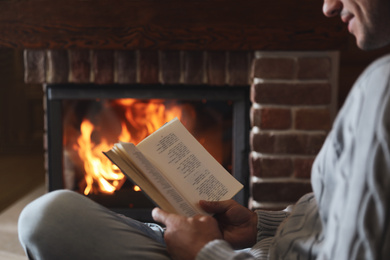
85,119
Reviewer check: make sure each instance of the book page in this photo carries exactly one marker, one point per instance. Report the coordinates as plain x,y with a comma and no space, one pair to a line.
134,165
188,165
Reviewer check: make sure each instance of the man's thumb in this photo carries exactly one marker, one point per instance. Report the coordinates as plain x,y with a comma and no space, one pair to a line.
215,206
159,215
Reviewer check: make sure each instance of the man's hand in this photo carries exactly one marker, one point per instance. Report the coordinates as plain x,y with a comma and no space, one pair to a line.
237,223
185,237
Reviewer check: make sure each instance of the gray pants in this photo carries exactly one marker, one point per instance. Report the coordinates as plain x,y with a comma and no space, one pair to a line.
66,225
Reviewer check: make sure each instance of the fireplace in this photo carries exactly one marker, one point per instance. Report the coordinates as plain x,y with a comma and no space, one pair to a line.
293,98
85,119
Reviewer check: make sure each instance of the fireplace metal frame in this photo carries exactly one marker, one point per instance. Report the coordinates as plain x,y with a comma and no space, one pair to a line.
56,93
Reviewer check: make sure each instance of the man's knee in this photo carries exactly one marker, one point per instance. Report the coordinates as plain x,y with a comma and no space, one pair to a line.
41,215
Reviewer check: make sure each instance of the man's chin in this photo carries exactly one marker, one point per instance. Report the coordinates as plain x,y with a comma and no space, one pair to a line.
371,42
362,44
369,46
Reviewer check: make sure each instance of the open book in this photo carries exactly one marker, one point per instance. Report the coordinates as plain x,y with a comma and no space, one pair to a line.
174,170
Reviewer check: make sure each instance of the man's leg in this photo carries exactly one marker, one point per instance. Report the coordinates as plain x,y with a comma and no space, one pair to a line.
66,225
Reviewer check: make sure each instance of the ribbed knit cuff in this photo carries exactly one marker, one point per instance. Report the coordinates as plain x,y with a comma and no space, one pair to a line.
268,222
216,249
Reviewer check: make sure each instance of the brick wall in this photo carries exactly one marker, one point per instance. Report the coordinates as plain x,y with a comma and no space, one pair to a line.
293,98
145,67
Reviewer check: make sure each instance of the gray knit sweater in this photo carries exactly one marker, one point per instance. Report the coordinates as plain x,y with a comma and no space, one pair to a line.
348,215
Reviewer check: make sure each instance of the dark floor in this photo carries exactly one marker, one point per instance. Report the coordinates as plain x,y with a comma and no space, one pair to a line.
18,176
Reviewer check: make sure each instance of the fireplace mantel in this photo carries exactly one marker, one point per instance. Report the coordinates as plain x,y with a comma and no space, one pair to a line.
169,24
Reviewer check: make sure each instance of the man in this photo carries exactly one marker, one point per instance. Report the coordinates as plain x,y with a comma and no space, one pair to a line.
367,20
347,216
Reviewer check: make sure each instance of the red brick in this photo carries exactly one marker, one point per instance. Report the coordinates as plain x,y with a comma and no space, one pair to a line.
193,67
80,66
35,66
57,66
275,118
255,116
299,143
314,68
280,191
170,67
312,119
270,167
274,68
103,66
238,68
291,94
302,167
126,67
149,67
216,67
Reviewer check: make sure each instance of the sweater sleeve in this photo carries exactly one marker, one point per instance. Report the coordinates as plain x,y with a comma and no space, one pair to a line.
267,224
220,249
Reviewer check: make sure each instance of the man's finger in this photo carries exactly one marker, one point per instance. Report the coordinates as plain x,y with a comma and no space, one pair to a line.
160,215
216,206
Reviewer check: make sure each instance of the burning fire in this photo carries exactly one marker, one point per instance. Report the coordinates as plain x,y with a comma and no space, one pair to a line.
140,119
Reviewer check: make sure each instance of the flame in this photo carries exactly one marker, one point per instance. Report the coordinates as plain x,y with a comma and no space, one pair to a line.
99,170
141,119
